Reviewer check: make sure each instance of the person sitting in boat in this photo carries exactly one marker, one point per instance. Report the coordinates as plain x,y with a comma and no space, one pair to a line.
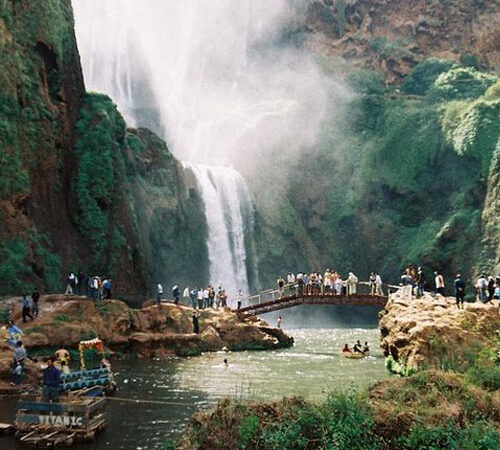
366,349
346,349
357,347
65,368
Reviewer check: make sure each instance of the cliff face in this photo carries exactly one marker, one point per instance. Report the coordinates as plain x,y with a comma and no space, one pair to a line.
41,93
79,191
393,35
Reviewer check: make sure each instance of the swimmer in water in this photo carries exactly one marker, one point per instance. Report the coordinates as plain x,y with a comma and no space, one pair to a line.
226,364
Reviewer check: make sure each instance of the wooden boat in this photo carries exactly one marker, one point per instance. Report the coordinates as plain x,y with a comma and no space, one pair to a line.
75,418
353,355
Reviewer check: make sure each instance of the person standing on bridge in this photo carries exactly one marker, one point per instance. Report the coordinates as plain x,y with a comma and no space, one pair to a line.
281,283
352,282
378,284
290,279
372,283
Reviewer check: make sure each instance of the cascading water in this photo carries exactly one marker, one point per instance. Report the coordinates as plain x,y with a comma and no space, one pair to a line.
209,77
229,212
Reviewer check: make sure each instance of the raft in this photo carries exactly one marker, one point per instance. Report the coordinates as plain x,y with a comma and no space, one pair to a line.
355,355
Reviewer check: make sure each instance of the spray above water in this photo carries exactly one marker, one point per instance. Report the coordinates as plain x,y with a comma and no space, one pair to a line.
218,82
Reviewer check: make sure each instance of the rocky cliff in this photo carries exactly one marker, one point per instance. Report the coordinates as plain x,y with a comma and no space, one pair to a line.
392,36
79,191
433,332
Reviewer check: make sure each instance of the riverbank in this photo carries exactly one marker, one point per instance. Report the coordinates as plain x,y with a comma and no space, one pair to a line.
146,332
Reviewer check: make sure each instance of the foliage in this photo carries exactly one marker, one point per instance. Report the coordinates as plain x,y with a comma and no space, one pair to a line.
398,367
62,318
388,49
101,131
366,82
248,430
13,266
424,75
461,83
480,435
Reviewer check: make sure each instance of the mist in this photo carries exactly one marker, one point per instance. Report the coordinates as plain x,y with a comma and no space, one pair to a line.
218,80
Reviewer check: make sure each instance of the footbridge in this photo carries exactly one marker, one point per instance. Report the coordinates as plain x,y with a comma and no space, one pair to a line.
274,300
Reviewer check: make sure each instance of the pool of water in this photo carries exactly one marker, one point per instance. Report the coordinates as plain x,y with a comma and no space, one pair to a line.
156,398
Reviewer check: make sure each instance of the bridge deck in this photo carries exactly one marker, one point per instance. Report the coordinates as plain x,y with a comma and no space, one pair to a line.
314,299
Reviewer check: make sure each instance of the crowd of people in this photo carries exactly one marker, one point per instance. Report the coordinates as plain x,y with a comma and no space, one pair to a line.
95,287
198,298
331,282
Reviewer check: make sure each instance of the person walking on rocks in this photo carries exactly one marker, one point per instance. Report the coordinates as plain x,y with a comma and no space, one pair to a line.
482,286
420,282
459,291
193,295
239,297
71,284
159,294
439,280
200,298
176,293
26,308
35,297
196,325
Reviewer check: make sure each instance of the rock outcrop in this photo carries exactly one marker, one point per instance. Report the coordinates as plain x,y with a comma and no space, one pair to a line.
393,35
146,332
433,332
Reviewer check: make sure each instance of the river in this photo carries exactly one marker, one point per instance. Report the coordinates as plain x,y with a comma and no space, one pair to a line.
170,391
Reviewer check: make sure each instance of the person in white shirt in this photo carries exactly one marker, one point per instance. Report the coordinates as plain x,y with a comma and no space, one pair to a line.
290,278
159,294
439,280
481,286
378,284
206,299
352,281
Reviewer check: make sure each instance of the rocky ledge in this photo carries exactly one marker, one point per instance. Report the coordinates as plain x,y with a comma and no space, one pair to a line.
146,332
433,332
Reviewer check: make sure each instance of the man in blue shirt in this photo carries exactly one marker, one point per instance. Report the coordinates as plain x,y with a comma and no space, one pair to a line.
26,308
51,382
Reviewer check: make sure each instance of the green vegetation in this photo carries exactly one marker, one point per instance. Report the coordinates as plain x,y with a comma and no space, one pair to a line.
15,268
423,75
399,179
101,131
429,410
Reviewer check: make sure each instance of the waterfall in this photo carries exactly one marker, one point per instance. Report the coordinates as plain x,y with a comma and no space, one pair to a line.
229,214
214,79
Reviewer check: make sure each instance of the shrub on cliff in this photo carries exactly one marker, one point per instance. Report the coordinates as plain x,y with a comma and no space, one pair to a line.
101,134
461,83
424,75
